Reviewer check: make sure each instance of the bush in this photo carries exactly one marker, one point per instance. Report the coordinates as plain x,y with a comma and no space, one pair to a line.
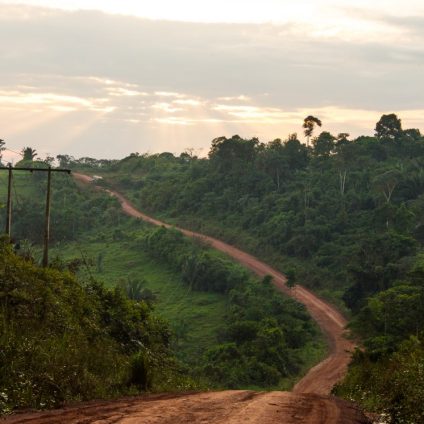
61,340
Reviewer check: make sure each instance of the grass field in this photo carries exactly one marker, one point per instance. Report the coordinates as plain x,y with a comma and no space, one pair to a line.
21,184
195,317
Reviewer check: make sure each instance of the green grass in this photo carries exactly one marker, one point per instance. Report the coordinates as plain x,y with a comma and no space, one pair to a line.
195,316
21,185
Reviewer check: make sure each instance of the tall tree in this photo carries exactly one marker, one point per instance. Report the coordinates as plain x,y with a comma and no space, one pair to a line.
29,153
412,134
233,154
324,144
342,138
389,127
2,149
274,161
309,124
296,153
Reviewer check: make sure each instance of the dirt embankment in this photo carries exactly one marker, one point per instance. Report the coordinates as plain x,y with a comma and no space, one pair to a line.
309,403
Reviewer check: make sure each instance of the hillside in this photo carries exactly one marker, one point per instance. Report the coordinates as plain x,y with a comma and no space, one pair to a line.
224,324
322,377
64,341
344,217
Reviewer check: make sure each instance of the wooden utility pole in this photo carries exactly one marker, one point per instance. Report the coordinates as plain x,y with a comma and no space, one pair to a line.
49,171
9,202
47,219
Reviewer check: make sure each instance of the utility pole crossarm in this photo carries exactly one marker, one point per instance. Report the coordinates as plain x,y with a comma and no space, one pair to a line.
68,171
49,170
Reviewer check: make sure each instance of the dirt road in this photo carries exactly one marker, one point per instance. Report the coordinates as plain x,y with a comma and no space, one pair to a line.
229,407
321,378
309,403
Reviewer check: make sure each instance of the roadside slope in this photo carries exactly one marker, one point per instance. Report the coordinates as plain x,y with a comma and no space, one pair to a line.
321,378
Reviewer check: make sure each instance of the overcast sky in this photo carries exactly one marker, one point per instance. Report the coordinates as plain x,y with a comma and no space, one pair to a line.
106,78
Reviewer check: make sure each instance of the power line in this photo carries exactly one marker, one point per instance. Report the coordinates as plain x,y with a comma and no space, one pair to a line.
10,150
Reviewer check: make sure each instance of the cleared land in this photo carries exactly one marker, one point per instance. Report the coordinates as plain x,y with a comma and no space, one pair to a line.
195,317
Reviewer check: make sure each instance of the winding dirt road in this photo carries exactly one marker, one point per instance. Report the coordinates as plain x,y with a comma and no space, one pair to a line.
321,378
308,403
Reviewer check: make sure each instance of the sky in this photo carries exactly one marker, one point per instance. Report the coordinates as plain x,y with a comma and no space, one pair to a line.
107,78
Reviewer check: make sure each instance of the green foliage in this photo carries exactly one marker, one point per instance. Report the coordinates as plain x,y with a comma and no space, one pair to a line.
389,127
393,384
265,331
29,153
346,215
324,144
74,211
195,318
61,340
309,123
200,268
334,211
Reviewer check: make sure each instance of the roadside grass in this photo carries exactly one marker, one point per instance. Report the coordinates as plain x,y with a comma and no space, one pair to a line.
195,317
21,186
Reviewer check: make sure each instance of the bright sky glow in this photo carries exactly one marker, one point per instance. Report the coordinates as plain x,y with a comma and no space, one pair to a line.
279,11
157,85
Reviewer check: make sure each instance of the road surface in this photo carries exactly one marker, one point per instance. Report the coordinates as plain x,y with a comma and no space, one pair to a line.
227,407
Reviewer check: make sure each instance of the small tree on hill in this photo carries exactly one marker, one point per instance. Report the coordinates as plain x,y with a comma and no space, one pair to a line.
29,153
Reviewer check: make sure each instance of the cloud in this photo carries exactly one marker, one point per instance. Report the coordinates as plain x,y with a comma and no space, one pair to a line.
104,77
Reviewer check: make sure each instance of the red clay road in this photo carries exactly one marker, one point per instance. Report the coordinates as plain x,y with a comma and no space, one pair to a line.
309,403
228,407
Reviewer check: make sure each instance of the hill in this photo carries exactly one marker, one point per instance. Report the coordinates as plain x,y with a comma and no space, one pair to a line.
227,329
345,217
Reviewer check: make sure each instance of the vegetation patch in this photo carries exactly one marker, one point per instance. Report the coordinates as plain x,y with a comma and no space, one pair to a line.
62,340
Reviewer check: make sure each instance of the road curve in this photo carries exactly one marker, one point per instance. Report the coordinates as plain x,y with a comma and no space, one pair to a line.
319,379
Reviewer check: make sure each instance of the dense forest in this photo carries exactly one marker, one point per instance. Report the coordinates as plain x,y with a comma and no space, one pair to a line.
345,216
264,335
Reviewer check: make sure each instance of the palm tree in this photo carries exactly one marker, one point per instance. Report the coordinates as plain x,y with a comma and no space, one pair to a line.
29,153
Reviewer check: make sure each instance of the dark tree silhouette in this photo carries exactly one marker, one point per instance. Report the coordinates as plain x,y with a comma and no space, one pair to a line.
309,124
2,148
389,127
29,153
